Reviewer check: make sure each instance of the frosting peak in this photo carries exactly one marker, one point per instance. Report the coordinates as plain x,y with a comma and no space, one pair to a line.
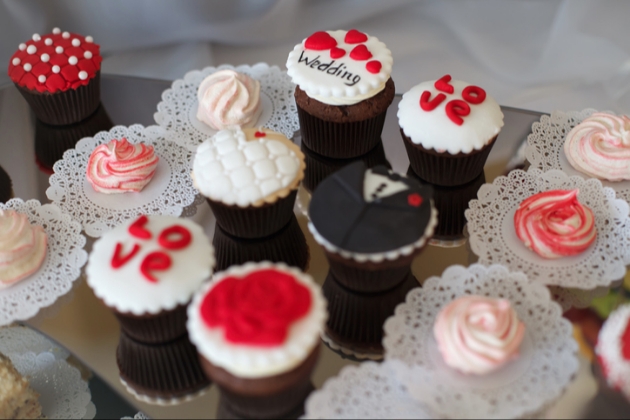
22,247
476,334
600,147
554,224
228,99
119,166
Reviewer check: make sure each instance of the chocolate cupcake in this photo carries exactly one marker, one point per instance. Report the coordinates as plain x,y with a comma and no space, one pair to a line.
147,270
449,128
250,178
372,223
59,76
6,186
343,91
256,328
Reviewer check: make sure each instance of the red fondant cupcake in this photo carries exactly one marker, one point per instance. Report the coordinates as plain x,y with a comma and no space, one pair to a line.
59,76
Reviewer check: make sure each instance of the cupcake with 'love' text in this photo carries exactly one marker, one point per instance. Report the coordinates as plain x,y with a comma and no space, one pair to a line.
343,91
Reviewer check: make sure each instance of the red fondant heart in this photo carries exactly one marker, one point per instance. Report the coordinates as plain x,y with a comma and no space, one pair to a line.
355,37
337,52
138,230
118,260
320,41
456,109
260,134
373,66
360,53
428,104
442,84
414,199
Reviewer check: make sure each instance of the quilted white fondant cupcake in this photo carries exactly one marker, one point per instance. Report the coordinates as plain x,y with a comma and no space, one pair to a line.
250,178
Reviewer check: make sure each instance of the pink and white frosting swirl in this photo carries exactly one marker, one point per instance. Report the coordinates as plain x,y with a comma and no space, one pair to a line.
477,334
22,247
228,99
119,166
599,146
554,224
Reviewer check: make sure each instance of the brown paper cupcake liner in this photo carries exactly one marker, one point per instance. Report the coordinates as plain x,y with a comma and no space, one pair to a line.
319,167
340,140
355,320
6,186
154,329
288,246
254,222
445,169
160,371
52,141
67,107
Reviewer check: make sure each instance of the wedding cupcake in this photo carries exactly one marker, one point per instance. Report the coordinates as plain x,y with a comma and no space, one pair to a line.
449,127
343,91
250,178
59,76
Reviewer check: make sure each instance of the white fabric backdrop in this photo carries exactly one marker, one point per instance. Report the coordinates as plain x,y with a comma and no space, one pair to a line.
549,55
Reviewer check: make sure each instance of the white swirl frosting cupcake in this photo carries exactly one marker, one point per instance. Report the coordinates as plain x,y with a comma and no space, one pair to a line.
229,99
600,147
477,335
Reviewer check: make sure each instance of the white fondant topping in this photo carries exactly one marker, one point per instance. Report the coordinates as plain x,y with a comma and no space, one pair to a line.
48,41
89,39
83,75
258,362
127,290
434,129
65,35
379,186
36,37
76,42
22,46
16,61
32,49
56,69
45,58
237,168
59,49
73,60
340,81
28,67
56,31
87,54
41,78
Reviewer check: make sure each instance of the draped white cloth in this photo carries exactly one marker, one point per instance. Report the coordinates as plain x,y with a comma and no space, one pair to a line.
569,54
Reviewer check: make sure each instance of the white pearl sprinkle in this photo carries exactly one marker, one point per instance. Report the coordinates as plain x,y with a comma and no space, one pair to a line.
65,35
48,41
73,60
36,37
32,49
45,57
59,50
41,78
89,39
76,42
56,31
22,46
87,54
27,67
56,69
83,75
16,61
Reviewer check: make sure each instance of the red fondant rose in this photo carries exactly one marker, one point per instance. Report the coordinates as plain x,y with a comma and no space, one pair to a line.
258,309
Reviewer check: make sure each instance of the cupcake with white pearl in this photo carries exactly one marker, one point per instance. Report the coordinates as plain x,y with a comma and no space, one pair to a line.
59,76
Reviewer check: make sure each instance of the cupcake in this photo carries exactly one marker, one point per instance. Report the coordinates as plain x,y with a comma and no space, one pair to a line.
59,76
6,186
613,350
448,127
371,223
256,328
147,270
250,178
343,91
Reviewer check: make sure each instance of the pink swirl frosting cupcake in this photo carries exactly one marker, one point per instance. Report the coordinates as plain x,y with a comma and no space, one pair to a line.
600,147
228,99
477,334
22,247
119,167
554,224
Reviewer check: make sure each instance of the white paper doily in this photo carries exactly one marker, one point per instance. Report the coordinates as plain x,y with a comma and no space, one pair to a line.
609,349
493,236
367,391
170,192
545,146
548,354
63,394
177,112
164,402
61,267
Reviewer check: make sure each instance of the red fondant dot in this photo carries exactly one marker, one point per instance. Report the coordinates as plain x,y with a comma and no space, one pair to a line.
373,66
337,52
320,41
360,53
355,37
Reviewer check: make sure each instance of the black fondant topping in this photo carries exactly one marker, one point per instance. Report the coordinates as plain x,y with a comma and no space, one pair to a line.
342,216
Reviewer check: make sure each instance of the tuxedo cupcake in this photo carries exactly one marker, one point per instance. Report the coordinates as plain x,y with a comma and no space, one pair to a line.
343,91
256,328
449,128
371,223
250,178
147,270
59,76
6,186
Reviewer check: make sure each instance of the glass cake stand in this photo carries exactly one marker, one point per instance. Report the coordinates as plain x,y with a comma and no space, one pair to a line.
89,330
